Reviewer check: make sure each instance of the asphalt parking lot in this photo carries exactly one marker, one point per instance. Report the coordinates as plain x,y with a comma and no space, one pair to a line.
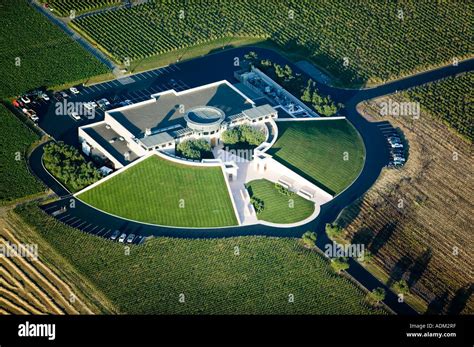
138,87
65,215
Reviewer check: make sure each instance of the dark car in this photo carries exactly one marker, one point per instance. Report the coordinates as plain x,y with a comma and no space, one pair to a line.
114,235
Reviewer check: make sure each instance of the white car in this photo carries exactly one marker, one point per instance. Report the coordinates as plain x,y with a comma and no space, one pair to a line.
44,96
122,238
64,94
90,105
396,145
74,90
75,116
130,238
25,99
103,103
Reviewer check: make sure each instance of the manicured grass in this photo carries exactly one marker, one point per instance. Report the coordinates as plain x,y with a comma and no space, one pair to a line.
35,53
279,208
15,139
159,191
316,150
212,278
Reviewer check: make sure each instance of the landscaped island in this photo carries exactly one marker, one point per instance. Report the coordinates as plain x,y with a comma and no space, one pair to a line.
162,192
278,204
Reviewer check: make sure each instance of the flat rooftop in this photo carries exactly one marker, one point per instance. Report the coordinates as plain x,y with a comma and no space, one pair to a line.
111,141
168,108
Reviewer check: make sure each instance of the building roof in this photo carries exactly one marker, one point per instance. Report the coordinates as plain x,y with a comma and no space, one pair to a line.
157,139
259,111
168,108
112,142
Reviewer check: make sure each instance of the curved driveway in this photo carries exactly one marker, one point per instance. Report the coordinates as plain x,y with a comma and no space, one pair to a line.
192,72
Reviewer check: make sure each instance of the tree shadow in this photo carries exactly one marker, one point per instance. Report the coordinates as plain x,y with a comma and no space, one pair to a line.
382,237
363,236
399,269
460,299
437,305
419,267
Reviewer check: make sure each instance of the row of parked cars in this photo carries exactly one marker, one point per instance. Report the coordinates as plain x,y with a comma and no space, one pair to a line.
122,237
397,151
26,102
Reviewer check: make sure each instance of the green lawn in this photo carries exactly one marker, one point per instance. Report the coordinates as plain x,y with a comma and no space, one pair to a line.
159,191
15,139
317,150
279,208
212,278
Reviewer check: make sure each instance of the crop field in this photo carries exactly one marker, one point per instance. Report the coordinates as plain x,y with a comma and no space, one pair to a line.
450,101
38,54
64,7
330,153
156,277
279,208
417,221
358,41
32,285
15,139
161,192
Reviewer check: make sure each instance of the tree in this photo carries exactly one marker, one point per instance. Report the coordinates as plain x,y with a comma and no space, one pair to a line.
339,264
334,231
401,287
258,204
251,135
376,296
366,257
306,96
231,136
194,149
309,239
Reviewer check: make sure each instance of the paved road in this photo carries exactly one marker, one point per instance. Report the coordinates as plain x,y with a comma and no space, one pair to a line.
196,72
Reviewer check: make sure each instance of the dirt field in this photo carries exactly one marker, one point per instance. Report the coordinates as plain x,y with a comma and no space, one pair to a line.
418,221
35,286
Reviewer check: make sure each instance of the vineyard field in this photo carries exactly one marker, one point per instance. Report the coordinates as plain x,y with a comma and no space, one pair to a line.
450,101
358,42
64,7
42,285
38,54
15,139
417,221
205,273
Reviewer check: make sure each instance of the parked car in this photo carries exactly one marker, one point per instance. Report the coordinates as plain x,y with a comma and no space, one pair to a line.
396,145
31,114
114,235
44,96
394,139
64,94
130,238
103,103
74,90
75,116
25,99
57,96
122,238
90,105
